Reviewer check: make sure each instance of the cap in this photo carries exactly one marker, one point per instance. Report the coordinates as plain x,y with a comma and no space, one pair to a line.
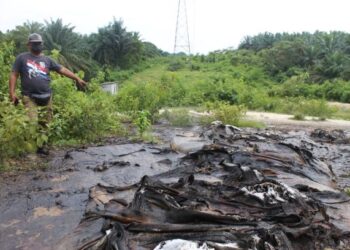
35,38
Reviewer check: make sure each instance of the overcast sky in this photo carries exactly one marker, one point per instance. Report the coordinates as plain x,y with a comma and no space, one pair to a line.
213,24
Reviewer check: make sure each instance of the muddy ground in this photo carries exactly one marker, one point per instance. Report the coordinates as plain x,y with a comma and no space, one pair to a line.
39,208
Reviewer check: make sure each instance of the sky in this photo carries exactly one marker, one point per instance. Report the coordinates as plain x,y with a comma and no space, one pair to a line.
212,24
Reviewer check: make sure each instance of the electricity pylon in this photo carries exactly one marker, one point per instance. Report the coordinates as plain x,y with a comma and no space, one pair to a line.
182,38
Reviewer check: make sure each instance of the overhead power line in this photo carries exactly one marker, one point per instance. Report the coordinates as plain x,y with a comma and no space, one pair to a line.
182,38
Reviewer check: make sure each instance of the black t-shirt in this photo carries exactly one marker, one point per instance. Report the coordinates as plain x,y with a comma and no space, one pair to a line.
35,73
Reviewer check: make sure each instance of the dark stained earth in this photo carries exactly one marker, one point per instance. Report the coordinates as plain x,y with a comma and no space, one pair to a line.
38,209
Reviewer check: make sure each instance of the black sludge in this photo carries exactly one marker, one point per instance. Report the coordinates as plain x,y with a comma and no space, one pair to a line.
245,191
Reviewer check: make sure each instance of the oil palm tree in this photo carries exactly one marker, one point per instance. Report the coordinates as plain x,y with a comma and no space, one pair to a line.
73,48
114,46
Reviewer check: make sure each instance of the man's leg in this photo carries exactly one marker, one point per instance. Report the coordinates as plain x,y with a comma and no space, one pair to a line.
41,116
45,117
32,108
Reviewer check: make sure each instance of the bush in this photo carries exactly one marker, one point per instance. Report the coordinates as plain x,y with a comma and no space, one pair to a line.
137,97
82,116
299,116
176,65
178,117
18,134
316,108
142,122
6,61
226,113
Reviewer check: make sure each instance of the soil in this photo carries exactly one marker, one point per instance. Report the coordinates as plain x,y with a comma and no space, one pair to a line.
286,121
38,208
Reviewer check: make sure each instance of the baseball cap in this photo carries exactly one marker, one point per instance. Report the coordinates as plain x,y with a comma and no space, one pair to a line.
35,38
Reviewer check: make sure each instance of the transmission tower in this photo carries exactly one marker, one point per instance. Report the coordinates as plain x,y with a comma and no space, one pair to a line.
182,38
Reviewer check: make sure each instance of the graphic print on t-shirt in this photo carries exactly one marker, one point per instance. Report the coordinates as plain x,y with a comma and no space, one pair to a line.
36,70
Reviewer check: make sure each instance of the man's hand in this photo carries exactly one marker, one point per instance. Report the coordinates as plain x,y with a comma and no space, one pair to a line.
81,84
12,87
14,99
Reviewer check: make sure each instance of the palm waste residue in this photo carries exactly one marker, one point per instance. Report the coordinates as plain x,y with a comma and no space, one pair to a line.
243,190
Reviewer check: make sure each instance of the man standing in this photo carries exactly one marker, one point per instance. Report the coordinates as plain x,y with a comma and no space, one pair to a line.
34,69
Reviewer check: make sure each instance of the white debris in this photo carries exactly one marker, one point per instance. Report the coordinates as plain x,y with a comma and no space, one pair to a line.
272,193
226,246
294,192
178,244
245,168
258,175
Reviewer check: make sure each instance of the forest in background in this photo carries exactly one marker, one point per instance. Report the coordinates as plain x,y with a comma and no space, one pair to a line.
288,73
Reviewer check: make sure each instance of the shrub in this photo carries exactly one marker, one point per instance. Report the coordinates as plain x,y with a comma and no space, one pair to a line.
6,61
194,67
226,113
142,122
83,116
18,134
137,97
299,116
178,117
176,65
347,191
316,108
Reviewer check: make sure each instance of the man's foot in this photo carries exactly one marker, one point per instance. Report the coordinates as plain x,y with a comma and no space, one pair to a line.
42,151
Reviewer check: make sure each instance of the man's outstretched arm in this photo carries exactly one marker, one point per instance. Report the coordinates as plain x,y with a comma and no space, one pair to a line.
66,72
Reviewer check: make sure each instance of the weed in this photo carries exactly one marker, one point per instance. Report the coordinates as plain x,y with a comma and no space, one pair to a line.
176,65
142,122
347,191
149,138
179,117
228,114
250,124
299,116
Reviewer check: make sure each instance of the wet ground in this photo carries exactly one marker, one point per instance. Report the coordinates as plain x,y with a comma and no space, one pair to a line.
39,208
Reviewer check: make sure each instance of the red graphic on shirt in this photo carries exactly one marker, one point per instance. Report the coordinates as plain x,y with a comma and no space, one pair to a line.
38,66
36,69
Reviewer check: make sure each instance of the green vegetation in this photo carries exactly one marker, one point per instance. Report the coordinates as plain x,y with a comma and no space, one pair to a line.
142,122
82,116
295,74
220,82
347,191
179,117
228,114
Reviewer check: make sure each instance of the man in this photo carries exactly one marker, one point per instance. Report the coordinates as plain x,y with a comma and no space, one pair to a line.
34,69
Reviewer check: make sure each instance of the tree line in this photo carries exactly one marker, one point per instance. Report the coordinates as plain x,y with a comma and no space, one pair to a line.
315,57
321,55
112,45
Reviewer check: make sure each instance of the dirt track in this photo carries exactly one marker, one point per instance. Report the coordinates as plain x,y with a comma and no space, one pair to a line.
273,119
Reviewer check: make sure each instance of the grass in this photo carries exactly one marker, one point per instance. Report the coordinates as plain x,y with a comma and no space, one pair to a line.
181,117
178,117
342,113
299,116
25,163
347,191
250,124
233,84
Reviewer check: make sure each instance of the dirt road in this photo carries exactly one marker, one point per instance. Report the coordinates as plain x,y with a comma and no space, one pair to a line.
283,120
